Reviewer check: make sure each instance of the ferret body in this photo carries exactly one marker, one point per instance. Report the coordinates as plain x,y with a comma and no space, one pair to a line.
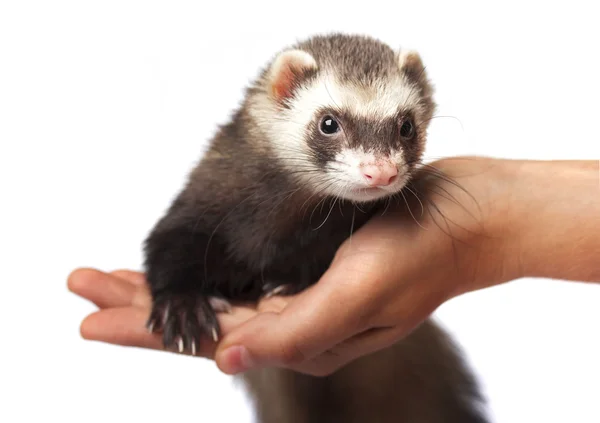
331,129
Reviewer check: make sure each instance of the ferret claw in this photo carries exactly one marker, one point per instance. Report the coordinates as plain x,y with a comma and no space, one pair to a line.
186,317
277,290
166,315
220,305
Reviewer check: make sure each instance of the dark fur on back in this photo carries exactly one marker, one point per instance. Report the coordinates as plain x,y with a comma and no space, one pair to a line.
242,223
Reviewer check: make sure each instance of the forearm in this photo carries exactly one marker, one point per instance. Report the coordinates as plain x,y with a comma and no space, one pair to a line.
555,215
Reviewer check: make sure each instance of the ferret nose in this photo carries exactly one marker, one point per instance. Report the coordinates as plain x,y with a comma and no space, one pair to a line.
380,175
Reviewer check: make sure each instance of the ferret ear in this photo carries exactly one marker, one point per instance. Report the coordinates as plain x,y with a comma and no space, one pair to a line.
411,65
287,71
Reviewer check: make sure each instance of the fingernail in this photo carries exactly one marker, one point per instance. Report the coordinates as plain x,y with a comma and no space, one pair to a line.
236,360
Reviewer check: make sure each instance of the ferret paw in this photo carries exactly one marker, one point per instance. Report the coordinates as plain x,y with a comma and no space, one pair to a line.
183,318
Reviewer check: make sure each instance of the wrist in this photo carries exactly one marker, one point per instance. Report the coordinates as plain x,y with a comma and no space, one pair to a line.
503,219
473,212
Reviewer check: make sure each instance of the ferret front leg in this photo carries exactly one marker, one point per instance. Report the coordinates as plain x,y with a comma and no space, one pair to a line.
185,299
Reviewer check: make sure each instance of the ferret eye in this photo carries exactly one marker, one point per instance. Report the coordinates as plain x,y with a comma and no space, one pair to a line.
407,129
329,125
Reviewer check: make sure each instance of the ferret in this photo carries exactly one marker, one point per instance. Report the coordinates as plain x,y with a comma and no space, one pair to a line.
328,131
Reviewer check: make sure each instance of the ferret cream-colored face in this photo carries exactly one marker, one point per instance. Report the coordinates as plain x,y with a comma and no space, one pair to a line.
358,140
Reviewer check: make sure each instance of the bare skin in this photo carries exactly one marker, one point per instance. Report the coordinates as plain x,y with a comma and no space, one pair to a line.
382,283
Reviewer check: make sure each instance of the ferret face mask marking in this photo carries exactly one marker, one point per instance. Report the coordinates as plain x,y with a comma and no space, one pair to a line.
351,135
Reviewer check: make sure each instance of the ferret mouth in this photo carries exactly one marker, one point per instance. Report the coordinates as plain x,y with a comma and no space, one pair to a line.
370,193
361,192
366,189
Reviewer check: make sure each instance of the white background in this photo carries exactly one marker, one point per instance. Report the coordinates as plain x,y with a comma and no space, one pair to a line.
104,106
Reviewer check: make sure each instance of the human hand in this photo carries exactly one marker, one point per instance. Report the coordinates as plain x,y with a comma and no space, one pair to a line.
478,222
391,275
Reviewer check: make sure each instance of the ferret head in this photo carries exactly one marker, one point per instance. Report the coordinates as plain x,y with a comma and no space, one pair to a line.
346,115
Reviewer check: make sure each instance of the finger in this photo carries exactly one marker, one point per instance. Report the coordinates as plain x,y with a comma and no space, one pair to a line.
121,326
349,350
101,288
315,321
136,278
360,345
126,326
363,344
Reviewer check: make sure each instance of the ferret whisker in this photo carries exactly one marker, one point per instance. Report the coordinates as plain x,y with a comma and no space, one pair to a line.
417,197
326,217
410,210
433,171
271,198
387,206
318,192
287,196
453,118
449,233
451,200
340,196
352,224
427,121
321,203
439,211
